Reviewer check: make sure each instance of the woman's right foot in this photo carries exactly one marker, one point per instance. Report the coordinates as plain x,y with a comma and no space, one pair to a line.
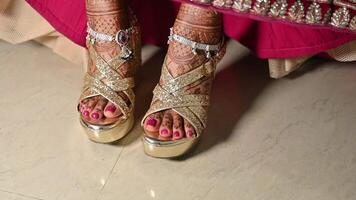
106,17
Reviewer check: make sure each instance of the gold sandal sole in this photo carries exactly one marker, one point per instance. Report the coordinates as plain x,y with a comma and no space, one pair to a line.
108,133
168,149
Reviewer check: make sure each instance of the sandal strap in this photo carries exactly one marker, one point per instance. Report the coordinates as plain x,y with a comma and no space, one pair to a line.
176,84
172,95
107,81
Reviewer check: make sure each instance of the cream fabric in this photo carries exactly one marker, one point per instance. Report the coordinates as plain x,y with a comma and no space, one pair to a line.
20,23
279,68
344,53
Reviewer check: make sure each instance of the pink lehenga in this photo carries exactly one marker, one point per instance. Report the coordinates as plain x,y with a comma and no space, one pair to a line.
269,28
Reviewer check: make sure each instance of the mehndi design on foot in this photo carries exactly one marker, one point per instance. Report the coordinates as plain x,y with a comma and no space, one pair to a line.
178,112
107,100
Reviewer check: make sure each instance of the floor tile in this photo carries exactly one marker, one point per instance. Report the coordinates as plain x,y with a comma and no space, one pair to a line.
44,152
12,196
292,138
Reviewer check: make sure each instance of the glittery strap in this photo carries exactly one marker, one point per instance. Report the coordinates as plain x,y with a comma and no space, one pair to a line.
172,95
107,82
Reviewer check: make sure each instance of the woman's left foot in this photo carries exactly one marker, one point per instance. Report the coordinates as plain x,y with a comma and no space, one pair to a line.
201,26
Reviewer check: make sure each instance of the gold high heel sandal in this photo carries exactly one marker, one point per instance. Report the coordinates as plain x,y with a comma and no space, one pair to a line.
171,95
107,82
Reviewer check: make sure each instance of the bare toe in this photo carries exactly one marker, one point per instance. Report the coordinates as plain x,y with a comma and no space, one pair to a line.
97,113
88,106
178,130
152,123
165,130
111,111
189,129
83,105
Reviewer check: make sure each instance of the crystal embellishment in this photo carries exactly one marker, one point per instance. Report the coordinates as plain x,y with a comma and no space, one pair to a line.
341,17
296,12
261,7
122,37
126,53
313,15
242,5
223,3
352,24
278,8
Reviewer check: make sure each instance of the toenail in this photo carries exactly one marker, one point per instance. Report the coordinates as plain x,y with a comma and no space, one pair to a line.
190,133
164,132
151,122
86,113
177,134
111,109
95,115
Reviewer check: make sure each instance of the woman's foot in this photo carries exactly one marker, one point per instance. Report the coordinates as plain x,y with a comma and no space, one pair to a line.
199,25
107,17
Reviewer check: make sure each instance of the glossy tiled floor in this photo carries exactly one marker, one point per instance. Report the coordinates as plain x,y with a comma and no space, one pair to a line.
293,138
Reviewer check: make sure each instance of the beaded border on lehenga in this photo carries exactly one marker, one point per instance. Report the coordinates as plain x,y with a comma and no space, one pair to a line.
342,17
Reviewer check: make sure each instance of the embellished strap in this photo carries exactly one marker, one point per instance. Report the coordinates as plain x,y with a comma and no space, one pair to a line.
171,95
107,82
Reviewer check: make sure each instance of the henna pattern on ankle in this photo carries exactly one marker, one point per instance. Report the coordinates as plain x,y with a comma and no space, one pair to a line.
107,16
198,24
99,6
199,16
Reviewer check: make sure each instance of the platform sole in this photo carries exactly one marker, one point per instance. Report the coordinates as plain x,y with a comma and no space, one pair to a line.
108,133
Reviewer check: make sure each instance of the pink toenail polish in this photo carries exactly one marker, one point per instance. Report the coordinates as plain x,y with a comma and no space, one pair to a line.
164,132
95,115
190,133
177,134
111,109
151,122
86,113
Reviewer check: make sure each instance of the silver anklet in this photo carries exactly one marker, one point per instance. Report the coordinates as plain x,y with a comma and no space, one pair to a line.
209,49
122,37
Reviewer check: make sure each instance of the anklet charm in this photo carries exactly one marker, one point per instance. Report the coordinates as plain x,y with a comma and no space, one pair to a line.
209,49
122,37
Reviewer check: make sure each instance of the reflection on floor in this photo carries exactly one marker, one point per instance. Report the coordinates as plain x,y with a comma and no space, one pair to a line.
292,138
